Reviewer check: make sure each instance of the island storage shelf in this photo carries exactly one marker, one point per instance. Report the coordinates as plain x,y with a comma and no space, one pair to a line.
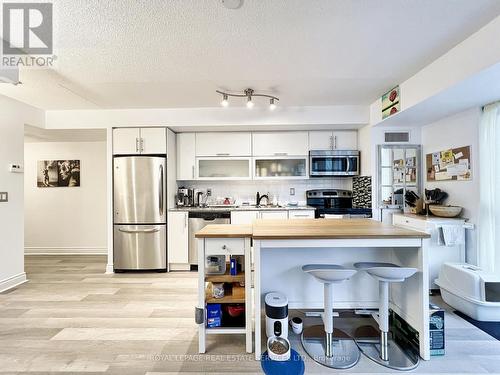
237,290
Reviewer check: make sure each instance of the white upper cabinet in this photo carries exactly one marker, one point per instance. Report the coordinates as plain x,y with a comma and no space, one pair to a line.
223,144
136,141
345,140
154,141
126,141
186,156
280,144
320,140
333,140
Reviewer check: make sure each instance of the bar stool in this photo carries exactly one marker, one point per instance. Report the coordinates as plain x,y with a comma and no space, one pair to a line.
386,352
324,344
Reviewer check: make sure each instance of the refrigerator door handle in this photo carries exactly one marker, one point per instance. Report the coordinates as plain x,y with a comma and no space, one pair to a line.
160,193
150,230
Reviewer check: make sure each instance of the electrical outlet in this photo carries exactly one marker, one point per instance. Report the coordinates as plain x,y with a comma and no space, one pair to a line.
209,192
292,191
4,196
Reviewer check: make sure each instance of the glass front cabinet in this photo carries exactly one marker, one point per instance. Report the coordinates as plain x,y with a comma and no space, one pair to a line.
219,168
281,167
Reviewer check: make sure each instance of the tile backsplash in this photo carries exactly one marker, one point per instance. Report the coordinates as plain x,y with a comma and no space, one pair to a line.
245,191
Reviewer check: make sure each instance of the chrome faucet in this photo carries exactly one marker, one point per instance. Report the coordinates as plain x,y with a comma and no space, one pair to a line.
259,198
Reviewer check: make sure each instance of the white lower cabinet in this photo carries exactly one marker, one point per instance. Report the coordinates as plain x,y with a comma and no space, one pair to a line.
273,214
178,240
301,214
243,217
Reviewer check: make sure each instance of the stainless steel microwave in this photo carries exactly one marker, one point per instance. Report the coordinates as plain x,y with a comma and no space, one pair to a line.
326,163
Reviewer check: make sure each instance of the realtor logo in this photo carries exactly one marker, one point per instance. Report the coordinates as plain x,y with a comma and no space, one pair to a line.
27,28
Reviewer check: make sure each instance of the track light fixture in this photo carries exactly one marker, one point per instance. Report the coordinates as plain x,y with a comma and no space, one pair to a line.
249,94
224,101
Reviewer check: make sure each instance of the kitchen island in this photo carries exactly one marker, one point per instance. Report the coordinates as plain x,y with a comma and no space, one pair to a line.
282,247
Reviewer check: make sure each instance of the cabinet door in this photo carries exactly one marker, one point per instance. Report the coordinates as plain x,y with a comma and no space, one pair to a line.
320,140
281,144
153,141
345,140
274,214
177,251
223,144
223,168
243,217
126,141
301,214
186,159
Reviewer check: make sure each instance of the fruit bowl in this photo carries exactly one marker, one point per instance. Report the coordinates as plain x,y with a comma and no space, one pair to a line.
445,211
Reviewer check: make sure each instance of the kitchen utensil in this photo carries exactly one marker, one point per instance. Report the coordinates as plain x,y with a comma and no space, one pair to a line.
445,211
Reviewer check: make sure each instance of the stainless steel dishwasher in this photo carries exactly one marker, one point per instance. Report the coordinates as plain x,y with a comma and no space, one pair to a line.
198,220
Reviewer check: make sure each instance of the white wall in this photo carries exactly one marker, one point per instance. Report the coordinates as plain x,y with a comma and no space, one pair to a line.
66,220
13,116
458,130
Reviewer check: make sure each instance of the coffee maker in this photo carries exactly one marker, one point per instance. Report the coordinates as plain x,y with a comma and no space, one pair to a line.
184,197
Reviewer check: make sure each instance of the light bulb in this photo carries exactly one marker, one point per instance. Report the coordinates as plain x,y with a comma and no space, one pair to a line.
224,101
249,102
272,105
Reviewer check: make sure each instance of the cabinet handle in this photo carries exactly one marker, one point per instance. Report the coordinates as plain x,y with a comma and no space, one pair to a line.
331,142
281,153
224,247
222,154
142,144
137,145
186,220
298,215
335,142
192,171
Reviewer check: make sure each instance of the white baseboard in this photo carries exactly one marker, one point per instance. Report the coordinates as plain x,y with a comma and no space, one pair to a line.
109,268
179,267
32,250
13,281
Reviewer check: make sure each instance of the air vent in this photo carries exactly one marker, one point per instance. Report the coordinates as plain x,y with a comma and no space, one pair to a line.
396,137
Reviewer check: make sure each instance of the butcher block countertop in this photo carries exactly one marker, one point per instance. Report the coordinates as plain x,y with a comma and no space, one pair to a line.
271,229
224,231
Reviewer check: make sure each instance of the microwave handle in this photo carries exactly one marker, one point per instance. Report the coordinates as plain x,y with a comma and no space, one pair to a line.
348,164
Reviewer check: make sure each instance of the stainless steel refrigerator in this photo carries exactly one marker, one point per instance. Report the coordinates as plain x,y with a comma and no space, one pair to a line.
139,205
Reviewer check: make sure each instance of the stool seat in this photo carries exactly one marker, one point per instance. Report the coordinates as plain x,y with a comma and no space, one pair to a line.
386,271
325,345
387,352
329,273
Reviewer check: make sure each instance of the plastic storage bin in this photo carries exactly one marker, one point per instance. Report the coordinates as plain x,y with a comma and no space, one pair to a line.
215,265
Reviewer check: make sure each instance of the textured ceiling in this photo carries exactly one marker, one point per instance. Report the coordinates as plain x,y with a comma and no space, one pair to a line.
176,53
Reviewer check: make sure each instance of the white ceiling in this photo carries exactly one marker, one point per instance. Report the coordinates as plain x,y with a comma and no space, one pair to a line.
169,54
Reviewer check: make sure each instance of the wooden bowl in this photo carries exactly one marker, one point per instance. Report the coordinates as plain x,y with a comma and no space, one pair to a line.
445,211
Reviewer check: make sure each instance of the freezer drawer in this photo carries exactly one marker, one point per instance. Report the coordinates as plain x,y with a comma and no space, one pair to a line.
139,190
140,247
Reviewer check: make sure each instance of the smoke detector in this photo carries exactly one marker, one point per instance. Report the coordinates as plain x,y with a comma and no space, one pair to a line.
232,4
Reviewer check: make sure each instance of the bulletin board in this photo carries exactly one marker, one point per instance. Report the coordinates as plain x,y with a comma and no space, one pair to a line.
449,165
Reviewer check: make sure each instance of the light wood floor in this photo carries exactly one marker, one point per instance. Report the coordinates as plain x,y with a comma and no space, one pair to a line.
72,318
